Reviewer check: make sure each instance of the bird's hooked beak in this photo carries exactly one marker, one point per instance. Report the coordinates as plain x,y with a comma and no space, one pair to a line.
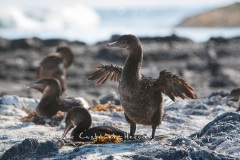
69,126
35,85
120,44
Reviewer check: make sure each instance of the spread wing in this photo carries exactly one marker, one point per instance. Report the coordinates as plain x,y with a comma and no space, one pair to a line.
173,86
104,71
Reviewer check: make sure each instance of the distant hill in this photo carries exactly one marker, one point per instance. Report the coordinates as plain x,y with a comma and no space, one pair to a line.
228,16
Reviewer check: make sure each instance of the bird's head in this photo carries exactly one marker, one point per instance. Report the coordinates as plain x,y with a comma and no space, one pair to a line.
48,84
69,124
74,118
127,42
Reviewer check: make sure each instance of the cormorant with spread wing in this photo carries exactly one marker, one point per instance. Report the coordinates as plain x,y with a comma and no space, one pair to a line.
140,95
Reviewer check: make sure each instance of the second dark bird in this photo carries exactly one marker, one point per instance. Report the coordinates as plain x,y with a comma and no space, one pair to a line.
54,65
52,101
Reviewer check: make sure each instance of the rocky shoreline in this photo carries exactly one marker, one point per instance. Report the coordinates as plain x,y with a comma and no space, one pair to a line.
205,68
206,128
201,129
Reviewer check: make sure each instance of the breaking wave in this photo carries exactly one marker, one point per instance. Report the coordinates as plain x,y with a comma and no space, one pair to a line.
53,18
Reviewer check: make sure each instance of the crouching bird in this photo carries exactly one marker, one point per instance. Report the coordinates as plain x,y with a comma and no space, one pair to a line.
52,101
80,121
78,118
235,97
140,95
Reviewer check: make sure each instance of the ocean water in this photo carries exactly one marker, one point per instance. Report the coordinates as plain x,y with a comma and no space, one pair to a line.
94,20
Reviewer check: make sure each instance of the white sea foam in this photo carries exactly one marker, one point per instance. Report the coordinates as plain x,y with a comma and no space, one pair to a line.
59,17
92,21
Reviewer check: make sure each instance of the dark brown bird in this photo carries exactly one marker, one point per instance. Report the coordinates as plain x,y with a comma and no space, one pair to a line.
81,120
235,97
55,65
140,95
52,101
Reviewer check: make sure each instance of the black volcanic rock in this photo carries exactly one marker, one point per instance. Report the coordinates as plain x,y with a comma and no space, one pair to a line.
110,55
57,42
221,132
171,38
25,43
54,42
217,135
33,43
222,126
219,40
181,149
30,148
220,93
221,81
4,44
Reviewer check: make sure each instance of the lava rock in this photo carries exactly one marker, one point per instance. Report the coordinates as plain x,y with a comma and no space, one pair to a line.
225,124
223,131
170,38
173,119
111,97
24,43
215,98
142,157
197,112
221,81
4,44
54,42
31,148
113,55
180,154
201,106
208,155
221,93
196,67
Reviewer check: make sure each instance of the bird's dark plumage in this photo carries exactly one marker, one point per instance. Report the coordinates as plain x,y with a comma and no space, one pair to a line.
173,86
93,132
78,118
55,65
235,97
52,101
140,95
105,71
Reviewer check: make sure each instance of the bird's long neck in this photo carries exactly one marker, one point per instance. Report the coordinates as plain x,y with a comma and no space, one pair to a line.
132,67
68,59
50,97
47,107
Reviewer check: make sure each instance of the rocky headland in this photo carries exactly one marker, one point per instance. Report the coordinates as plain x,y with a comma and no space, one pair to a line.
227,16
